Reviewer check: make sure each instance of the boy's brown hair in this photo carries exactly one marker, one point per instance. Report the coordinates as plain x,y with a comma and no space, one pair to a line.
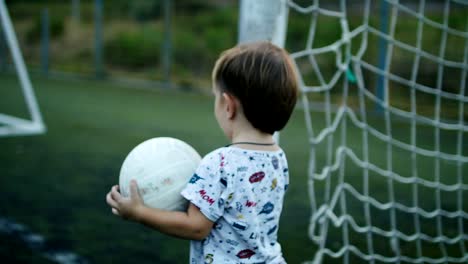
261,75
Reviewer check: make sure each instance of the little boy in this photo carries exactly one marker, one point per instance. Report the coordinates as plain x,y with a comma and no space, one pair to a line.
236,194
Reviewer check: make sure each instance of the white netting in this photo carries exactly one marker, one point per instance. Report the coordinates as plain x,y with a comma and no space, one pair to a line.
387,126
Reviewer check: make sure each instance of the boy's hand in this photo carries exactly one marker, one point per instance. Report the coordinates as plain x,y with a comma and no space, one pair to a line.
126,207
191,224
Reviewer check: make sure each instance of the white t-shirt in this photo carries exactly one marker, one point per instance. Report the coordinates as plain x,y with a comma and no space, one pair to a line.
242,192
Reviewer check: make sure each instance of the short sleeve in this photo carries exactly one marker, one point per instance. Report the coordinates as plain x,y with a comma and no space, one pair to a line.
207,188
285,168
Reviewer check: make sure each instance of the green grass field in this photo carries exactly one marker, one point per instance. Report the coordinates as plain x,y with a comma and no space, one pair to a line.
56,183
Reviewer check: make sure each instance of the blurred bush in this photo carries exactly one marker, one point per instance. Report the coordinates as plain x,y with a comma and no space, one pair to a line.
56,28
196,41
207,35
144,10
134,48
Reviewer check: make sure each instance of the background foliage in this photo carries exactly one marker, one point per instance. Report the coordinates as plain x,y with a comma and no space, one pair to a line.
133,36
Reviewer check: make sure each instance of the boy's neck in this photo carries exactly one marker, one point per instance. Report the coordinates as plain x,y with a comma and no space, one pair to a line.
255,137
243,131
263,139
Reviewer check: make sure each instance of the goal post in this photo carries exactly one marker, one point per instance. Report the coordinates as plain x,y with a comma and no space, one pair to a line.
263,20
10,125
387,184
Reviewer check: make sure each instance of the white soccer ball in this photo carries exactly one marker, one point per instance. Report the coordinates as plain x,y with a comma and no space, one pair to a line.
162,167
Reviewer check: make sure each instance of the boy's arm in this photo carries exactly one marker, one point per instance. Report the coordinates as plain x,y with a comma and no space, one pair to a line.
189,225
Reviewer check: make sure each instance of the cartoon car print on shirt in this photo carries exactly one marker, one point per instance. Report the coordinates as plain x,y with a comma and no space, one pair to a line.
257,177
246,253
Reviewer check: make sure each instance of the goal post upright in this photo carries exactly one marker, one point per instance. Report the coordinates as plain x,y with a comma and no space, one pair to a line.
263,20
14,125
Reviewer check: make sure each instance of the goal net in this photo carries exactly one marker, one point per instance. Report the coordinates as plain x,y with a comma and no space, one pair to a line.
384,93
385,100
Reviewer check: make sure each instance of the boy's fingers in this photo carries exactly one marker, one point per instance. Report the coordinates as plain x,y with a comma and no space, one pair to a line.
110,201
115,188
115,195
134,189
115,211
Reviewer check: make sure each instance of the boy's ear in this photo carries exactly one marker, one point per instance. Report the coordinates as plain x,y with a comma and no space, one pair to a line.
231,105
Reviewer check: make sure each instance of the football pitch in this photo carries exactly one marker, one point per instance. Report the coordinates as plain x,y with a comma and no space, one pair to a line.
55,184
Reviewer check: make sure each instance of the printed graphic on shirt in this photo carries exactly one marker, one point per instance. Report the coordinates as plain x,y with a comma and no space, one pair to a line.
274,183
246,253
275,162
242,192
195,178
250,203
240,225
257,177
209,258
267,208
273,229
206,197
223,181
